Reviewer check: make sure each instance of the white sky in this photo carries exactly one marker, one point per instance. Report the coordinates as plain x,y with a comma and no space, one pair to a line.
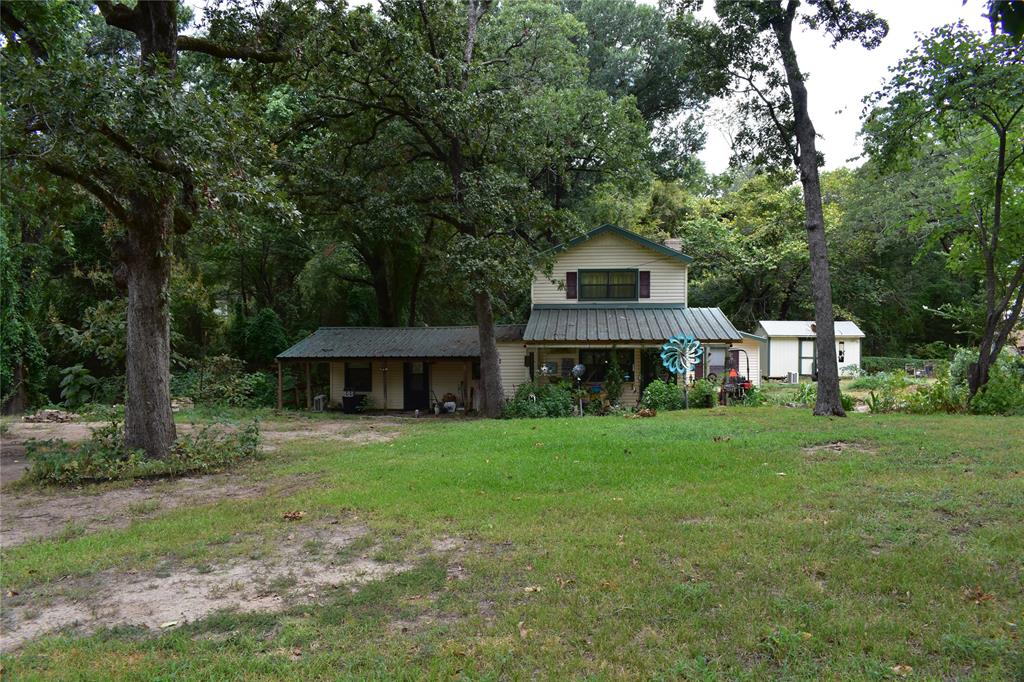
840,78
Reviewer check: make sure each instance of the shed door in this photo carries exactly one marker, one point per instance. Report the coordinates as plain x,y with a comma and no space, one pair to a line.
807,361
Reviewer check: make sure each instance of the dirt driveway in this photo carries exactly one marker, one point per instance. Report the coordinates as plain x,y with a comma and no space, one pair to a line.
182,594
32,513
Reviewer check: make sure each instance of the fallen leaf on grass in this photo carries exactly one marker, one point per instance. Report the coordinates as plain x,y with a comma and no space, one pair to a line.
780,473
523,632
976,595
805,636
563,582
168,624
532,588
902,670
722,439
293,515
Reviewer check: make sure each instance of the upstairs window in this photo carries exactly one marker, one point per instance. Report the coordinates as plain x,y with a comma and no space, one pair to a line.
608,285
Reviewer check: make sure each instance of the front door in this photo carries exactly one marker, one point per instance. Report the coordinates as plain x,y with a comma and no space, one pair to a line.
417,386
651,368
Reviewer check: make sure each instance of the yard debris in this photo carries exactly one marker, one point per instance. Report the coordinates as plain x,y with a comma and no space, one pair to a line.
976,595
51,415
168,624
643,412
722,439
902,670
293,515
182,403
532,588
806,636
523,632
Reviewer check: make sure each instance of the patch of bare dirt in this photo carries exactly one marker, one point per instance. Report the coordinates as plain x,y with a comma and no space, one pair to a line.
357,431
825,451
116,597
37,514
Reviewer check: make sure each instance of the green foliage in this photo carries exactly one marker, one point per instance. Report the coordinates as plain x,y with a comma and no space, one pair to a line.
259,338
1004,392
875,364
755,397
105,457
540,400
662,396
807,395
702,393
22,355
222,380
937,397
897,380
613,380
76,385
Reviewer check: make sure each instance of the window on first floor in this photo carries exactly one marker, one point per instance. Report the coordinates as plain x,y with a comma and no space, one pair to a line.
608,285
596,363
359,377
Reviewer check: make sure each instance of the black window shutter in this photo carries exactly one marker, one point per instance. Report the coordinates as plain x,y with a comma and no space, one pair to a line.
645,284
570,285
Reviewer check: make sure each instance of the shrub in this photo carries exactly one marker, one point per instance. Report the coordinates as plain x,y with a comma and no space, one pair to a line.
702,393
937,397
894,380
807,395
540,400
613,380
76,385
755,397
662,395
106,457
222,380
873,364
1004,392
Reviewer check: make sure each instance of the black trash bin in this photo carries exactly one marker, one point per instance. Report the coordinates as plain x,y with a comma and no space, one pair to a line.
350,403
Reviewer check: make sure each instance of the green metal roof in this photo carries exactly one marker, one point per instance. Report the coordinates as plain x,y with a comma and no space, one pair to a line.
622,232
395,342
630,322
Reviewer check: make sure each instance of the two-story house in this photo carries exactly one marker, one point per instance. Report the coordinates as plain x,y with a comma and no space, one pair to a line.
608,291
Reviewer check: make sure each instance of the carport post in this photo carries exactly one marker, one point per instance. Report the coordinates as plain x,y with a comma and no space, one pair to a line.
280,400
309,390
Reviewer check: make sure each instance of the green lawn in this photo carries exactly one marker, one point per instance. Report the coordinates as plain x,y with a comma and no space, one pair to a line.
695,545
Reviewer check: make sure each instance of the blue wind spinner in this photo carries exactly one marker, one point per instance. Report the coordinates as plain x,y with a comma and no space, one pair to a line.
680,354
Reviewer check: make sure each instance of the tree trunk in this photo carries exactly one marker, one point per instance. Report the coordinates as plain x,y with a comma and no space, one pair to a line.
828,401
148,422
491,395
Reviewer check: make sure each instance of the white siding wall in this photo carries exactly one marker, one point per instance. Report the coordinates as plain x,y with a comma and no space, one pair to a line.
446,376
852,348
785,354
393,376
609,251
514,372
753,349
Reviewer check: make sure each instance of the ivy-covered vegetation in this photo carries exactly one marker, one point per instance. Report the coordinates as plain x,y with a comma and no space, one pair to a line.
105,457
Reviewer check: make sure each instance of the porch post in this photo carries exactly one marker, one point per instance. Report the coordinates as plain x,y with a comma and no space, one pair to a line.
309,390
280,400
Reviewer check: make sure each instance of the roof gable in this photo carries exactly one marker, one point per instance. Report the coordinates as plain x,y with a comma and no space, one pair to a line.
608,228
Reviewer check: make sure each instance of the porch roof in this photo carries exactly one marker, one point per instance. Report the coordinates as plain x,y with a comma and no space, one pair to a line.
395,342
618,322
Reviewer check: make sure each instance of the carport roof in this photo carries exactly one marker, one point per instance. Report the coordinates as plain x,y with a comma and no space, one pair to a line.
395,342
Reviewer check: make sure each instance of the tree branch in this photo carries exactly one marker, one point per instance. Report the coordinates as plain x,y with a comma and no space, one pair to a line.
207,46
94,188
119,15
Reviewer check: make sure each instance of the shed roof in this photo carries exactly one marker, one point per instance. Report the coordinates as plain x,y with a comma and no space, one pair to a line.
395,342
628,234
618,322
803,328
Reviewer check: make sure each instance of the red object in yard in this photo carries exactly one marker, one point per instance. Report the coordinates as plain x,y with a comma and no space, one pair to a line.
747,385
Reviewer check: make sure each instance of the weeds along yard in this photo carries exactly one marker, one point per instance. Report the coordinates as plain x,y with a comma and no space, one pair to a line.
731,543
